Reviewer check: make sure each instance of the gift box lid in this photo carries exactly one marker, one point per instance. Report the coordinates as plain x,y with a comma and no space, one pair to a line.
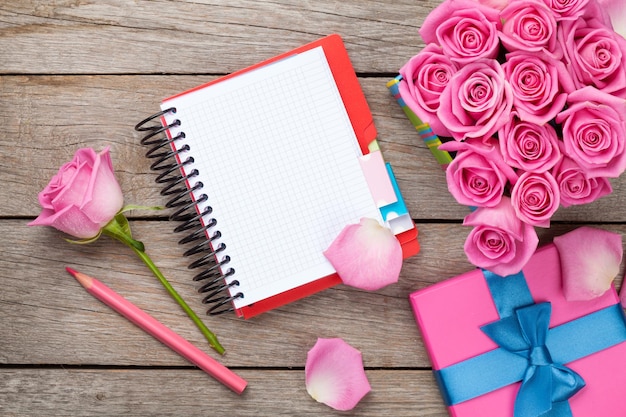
450,315
468,293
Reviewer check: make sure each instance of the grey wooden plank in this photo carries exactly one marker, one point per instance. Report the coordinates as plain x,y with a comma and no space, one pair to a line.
187,37
189,392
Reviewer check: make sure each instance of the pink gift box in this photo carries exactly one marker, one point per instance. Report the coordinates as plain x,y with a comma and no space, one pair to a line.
450,315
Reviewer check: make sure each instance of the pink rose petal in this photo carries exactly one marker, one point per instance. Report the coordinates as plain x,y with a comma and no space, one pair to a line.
616,10
334,374
590,260
366,255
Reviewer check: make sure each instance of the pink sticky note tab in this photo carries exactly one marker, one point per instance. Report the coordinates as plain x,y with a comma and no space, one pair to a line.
375,171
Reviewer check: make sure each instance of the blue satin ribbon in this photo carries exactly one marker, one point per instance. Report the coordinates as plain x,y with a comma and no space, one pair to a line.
545,382
530,352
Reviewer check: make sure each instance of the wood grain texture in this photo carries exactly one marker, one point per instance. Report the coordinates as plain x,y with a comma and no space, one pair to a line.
82,73
197,37
189,392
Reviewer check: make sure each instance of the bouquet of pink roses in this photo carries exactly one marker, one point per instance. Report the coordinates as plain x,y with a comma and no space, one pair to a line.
532,95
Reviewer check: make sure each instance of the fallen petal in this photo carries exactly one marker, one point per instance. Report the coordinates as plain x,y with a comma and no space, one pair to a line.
590,260
334,374
366,255
616,9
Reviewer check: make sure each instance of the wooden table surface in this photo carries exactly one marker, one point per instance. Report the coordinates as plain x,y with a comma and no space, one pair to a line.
77,73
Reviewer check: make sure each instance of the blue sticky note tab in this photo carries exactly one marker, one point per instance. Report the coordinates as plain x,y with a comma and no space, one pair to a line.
398,208
396,214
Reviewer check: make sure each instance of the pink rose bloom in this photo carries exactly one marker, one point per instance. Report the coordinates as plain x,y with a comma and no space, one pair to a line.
474,180
478,174
465,29
539,84
82,197
477,101
567,9
535,198
529,146
423,79
530,26
575,187
595,55
594,132
500,242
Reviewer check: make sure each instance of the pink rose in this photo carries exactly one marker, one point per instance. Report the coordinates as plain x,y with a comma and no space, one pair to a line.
477,101
500,242
529,146
474,180
594,132
478,174
423,79
594,55
575,187
567,9
82,197
535,198
539,84
465,29
530,26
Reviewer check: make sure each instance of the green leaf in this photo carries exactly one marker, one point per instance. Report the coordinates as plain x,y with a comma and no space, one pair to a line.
119,228
122,221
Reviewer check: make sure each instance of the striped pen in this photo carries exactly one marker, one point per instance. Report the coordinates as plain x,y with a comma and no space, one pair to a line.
423,129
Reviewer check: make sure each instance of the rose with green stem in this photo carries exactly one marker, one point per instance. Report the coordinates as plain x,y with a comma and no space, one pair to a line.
85,201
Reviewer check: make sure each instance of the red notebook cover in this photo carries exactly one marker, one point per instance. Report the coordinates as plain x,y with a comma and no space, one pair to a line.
362,123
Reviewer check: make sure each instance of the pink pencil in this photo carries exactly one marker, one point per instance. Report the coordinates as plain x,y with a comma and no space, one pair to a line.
160,332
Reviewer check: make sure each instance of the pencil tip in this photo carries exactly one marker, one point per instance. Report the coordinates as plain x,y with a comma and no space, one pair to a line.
83,279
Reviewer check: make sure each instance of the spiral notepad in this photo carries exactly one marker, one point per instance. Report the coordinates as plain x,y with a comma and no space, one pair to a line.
269,175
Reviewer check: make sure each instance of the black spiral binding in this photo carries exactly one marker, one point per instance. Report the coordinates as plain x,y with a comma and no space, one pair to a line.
178,188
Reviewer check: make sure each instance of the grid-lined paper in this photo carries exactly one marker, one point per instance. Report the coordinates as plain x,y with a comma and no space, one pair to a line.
278,159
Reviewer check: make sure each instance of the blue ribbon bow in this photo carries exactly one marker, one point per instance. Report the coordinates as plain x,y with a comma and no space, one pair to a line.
545,383
530,352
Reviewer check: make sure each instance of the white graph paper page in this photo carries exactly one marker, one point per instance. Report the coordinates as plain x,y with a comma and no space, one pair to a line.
279,162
